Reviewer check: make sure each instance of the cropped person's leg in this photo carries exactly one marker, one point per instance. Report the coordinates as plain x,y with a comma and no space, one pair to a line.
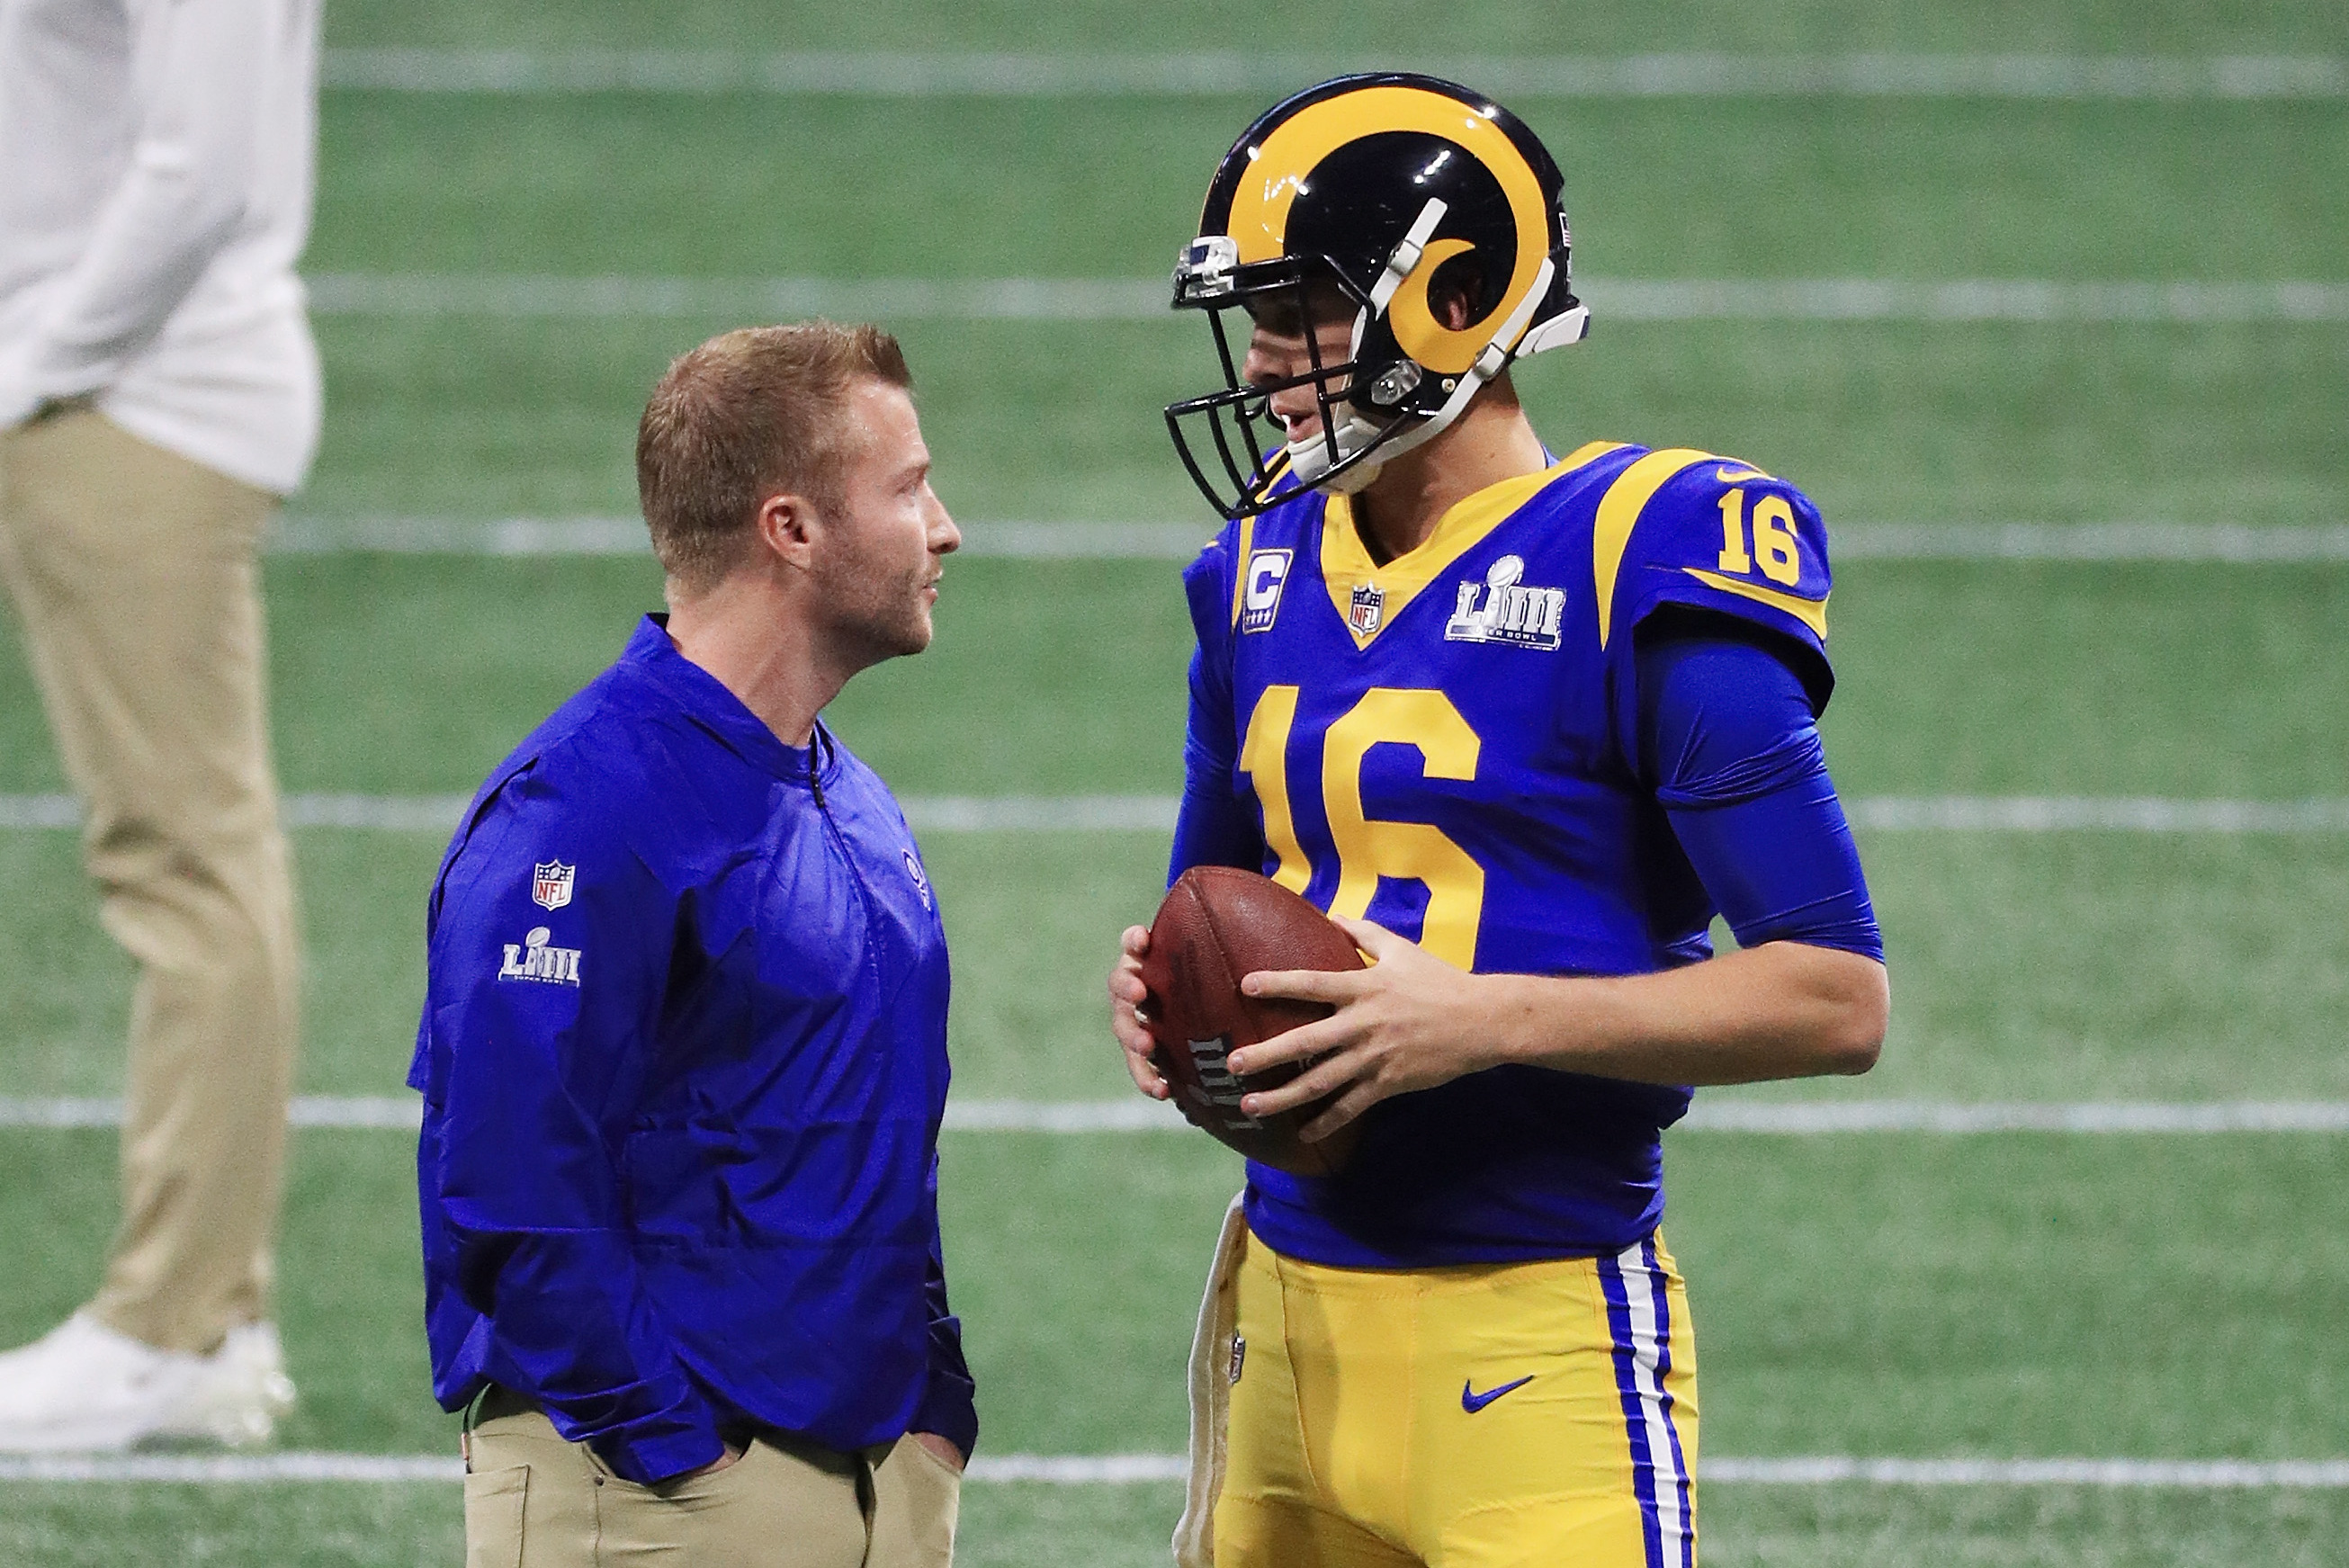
134,572
917,1500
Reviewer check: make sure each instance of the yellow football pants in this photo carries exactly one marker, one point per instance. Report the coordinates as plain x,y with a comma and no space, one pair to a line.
1507,1416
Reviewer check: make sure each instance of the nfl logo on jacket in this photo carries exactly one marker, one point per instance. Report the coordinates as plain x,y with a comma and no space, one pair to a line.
550,885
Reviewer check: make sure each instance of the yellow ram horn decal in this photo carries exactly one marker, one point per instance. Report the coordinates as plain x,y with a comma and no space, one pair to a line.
1427,339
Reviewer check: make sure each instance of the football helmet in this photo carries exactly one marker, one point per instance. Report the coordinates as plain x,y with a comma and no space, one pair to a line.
1407,194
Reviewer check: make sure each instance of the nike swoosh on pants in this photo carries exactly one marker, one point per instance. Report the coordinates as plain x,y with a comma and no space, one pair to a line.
1471,1401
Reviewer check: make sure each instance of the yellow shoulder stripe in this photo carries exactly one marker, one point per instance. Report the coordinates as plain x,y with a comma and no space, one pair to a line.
1811,612
1619,510
1589,451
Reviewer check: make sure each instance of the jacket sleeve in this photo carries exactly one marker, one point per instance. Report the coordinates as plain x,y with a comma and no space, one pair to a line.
1215,826
949,1404
542,1002
179,201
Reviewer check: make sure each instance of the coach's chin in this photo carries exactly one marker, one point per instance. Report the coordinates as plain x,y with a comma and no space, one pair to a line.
684,1042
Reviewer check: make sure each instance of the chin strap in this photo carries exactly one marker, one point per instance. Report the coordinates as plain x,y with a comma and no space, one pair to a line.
1356,436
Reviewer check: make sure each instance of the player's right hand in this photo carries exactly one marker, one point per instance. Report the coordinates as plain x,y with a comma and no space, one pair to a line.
1127,994
727,1459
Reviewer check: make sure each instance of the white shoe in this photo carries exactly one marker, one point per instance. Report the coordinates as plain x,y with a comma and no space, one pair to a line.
83,1388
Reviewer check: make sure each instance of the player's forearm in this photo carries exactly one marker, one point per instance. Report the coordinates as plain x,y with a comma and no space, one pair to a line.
1781,1010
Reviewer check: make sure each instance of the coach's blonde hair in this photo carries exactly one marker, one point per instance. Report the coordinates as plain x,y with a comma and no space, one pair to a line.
752,413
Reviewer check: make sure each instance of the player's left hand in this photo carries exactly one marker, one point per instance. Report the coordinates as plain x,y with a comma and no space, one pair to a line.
1409,1021
944,1448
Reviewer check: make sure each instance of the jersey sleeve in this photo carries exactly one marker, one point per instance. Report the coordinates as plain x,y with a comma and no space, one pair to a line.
547,964
1735,761
1214,826
1702,538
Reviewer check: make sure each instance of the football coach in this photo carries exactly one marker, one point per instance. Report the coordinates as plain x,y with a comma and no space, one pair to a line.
684,1047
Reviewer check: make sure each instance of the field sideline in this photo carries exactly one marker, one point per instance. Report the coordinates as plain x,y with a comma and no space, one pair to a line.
2045,306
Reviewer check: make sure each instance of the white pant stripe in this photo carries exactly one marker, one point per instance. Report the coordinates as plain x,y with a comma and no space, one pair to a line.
1648,1340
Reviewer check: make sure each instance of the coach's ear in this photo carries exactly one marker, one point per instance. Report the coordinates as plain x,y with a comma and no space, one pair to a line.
788,528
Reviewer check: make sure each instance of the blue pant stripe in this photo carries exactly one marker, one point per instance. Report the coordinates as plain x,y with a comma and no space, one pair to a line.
1635,1422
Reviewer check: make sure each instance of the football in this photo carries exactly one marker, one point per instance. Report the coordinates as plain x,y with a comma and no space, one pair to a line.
1217,924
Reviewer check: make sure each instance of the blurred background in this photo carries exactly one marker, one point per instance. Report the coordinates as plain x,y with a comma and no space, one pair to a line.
2045,304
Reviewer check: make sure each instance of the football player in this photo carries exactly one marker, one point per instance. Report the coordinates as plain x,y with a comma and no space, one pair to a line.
1521,723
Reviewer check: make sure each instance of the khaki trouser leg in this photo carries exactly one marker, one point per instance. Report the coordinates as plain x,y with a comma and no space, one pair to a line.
534,1501
134,572
917,1498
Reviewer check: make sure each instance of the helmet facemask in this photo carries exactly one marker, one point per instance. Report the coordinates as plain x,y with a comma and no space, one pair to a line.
1235,448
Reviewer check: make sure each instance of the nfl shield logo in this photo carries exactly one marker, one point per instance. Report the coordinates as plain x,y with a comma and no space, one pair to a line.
550,885
1370,607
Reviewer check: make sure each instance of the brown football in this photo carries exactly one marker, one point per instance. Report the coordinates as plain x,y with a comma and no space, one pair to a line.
1217,924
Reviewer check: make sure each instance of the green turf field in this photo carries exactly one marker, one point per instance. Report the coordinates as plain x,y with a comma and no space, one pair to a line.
1881,1296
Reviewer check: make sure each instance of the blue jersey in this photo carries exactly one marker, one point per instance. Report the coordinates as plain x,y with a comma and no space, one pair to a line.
1447,743
684,1063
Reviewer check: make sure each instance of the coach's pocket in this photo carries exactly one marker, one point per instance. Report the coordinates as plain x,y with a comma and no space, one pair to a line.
493,1509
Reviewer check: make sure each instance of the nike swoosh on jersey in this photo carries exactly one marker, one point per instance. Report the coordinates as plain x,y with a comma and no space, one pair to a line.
1730,475
1471,1401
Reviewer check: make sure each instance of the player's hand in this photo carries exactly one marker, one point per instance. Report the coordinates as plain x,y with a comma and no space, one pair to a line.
731,1457
1127,994
944,1448
1409,1021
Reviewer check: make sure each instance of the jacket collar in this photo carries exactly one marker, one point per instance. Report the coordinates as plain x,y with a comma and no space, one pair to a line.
702,700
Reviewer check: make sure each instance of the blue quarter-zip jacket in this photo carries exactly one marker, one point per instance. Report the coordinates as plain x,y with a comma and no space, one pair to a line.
684,1061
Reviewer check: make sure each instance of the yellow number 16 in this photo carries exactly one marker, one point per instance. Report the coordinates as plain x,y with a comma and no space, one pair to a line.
1774,538
1369,848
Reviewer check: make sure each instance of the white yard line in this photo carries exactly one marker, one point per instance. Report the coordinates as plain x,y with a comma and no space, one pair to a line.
1804,1118
511,536
1711,1114
1114,1469
1007,75
2192,1475
438,814
443,295
2213,543
2065,813
435,295
2224,544
1041,813
395,1113
231,1470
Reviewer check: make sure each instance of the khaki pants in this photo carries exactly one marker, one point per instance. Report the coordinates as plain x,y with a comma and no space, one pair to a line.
133,572
534,1501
